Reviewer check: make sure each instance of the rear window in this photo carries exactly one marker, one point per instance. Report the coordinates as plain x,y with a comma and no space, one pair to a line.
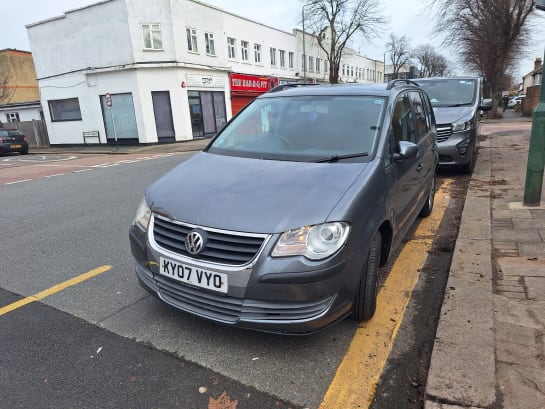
10,132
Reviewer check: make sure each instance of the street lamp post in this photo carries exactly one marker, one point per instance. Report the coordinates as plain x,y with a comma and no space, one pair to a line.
536,150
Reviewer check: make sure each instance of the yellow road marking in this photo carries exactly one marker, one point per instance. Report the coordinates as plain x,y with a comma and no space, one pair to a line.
55,289
356,379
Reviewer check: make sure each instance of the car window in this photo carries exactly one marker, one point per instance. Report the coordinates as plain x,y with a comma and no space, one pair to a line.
10,132
403,123
421,117
303,127
446,92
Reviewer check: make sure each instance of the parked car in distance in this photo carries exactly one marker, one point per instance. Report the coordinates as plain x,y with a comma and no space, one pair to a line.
515,100
281,223
457,105
13,140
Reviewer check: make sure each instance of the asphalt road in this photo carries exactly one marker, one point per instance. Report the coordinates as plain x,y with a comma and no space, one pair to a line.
104,342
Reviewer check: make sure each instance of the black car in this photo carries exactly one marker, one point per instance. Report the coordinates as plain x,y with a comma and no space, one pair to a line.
13,140
282,222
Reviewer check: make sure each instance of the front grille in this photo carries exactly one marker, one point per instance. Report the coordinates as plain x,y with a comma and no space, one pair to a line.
231,309
228,248
443,132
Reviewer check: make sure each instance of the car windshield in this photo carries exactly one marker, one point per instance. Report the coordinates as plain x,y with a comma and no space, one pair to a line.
304,128
450,92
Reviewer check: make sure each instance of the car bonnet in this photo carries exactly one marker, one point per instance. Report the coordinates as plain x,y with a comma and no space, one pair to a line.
251,195
448,115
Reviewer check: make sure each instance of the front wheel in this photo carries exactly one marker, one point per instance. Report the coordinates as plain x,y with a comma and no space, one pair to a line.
428,206
365,302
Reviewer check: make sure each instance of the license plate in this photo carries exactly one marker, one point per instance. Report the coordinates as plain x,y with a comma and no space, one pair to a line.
15,146
197,277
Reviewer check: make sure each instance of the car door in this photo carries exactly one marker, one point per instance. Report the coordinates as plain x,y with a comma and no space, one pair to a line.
405,172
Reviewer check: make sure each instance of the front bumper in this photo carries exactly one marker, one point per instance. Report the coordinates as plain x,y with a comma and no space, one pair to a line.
455,149
289,295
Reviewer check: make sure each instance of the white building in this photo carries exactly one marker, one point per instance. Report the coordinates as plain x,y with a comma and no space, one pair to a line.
169,70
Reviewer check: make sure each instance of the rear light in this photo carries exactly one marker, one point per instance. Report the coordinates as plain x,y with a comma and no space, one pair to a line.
2,140
25,138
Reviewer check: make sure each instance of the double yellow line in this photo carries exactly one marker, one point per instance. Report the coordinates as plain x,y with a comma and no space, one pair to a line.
357,376
55,289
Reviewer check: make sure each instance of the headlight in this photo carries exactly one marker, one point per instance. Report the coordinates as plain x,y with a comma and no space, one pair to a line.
314,242
142,215
461,126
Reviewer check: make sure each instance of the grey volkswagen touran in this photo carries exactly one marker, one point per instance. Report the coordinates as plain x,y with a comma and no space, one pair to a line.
281,223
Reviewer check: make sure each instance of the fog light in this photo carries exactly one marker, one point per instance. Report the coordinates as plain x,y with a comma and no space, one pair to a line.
463,147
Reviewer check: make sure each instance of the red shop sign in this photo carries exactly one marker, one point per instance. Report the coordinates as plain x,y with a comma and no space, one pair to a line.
250,83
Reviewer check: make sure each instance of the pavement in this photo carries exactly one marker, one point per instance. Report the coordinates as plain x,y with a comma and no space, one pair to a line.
489,351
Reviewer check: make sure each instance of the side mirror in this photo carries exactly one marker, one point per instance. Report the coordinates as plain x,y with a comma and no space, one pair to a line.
407,150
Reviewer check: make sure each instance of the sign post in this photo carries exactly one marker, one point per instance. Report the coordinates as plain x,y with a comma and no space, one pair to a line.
109,104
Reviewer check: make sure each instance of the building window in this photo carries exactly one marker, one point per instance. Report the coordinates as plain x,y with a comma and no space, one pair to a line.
231,48
152,36
273,57
282,58
65,110
326,66
191,40
209,40
304,62
257,53
344,70
318,65
311,64
244,50
12,117
290,60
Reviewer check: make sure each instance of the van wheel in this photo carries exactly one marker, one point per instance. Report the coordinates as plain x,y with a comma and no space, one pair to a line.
469,166
365,302
428,206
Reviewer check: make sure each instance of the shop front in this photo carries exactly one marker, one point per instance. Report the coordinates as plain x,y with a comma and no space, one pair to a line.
244,88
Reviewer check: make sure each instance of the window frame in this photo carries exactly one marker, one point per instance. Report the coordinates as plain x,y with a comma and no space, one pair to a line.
152,28
231,48
257,53
272,51
53,113
291,56
12,117
282,58
244,50
192,43
210,47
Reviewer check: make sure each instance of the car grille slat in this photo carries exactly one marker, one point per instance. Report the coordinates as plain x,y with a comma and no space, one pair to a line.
229,248
443,132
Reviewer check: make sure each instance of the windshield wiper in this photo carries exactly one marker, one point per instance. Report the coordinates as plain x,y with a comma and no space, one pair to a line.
335,158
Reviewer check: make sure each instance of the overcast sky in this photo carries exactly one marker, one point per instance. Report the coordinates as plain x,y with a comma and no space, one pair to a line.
407,17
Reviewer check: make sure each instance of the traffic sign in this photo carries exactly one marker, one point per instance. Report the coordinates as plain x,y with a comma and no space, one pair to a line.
108,99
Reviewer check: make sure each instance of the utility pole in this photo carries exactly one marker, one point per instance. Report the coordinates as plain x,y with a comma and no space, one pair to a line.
536,150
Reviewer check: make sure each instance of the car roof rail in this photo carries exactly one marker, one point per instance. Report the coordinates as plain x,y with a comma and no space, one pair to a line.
288,85
395,82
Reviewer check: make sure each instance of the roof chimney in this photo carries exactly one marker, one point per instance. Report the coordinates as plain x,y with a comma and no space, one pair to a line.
537,64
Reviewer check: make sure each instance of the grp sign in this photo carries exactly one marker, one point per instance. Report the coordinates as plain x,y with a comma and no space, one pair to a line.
108,99
251,83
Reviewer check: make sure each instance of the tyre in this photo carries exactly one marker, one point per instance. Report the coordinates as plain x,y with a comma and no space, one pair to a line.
470,165
365,302
428,206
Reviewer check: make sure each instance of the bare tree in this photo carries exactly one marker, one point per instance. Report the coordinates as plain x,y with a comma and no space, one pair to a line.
336,22
398,50
432,64
489,34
